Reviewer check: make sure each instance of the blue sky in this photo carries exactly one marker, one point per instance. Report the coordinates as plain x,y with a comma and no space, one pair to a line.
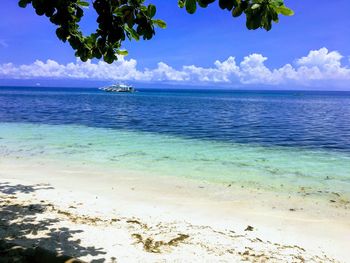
197,40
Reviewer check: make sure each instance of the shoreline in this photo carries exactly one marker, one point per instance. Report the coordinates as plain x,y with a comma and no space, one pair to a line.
174,208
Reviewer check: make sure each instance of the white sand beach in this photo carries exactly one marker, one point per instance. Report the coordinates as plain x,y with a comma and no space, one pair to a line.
114,216
186,131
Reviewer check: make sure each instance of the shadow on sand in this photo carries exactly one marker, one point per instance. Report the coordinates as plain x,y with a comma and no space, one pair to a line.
25,225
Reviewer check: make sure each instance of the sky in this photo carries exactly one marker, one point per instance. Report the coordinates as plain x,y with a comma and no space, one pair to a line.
310,50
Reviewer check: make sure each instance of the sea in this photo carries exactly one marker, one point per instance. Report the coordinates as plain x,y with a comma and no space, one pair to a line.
273,140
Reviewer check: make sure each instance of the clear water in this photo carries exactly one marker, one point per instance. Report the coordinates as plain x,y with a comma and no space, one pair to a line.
255,139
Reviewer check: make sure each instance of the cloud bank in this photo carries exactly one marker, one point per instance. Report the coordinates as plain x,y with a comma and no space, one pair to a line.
319,67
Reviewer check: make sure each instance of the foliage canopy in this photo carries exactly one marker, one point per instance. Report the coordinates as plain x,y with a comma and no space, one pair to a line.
133,19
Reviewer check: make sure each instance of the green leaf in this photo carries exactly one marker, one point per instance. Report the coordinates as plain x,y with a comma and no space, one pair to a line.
82,3
181,3
122,52
132,32
237,11
284,11
253,22
109,57
22,3
255,6
277,3
159,23
191,6
151,10
226,4
202,3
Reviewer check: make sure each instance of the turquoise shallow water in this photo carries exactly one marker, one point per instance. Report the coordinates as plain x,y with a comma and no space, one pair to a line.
274,168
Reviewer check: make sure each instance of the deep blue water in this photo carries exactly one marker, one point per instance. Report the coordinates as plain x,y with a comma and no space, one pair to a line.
307,119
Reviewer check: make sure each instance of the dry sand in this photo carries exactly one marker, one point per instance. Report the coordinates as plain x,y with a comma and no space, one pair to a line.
117,216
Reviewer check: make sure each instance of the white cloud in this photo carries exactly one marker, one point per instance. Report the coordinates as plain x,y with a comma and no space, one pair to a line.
319,66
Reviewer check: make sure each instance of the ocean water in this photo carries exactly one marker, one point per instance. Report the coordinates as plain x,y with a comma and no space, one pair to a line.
271,140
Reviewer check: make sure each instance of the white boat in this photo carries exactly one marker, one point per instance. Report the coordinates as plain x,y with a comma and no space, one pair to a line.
118,88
